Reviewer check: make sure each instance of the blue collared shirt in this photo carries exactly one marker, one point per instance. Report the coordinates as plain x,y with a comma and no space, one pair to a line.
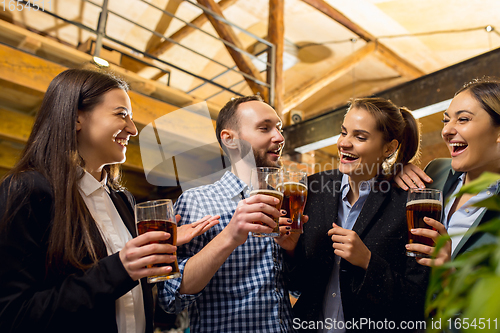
464,217
247,293
347,216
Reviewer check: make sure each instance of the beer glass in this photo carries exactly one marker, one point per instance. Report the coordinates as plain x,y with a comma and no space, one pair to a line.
294,198
158,215
268,181
422,203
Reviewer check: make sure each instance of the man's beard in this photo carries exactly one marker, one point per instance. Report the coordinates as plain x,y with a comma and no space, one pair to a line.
263,161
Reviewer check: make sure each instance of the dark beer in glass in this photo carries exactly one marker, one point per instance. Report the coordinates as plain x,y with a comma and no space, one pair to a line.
267,181
422,203
158,215
294,199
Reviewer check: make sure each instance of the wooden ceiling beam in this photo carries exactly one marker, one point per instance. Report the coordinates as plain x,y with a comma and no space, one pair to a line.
308,89
243,63
15,126
70,57
186,30
276,35
8,156
383,53
36,73
331,12
163,46
25,70
163,24
400,65
341,95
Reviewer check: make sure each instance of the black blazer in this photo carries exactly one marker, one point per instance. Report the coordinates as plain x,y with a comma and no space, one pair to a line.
394,285
445,179
77,301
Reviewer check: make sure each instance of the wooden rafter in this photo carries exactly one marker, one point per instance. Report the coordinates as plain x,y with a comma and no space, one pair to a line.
276,35
163,46
331,12
185,31
8,156
25,70
242,61
163,24
400,65
308,89
71,57
383,52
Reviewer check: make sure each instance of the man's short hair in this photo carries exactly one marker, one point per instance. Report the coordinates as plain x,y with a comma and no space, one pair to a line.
227,118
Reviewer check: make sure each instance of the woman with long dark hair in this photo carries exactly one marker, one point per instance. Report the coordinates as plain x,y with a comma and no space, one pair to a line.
70,261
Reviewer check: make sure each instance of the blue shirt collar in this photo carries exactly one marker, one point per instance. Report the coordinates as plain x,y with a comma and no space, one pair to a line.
232,186
365,187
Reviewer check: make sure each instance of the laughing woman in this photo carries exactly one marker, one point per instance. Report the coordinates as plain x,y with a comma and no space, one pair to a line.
69,259
472,133
350,263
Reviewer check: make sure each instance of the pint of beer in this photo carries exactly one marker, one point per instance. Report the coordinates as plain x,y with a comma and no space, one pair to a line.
267,181
294,200
422,203
158,215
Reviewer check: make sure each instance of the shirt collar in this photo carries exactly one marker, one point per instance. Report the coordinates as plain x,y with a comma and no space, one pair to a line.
88,184
364,187
232,186
493,188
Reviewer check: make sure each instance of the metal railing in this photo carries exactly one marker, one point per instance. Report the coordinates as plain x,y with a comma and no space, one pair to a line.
163,65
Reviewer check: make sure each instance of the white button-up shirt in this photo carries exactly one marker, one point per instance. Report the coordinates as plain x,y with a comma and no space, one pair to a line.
130,317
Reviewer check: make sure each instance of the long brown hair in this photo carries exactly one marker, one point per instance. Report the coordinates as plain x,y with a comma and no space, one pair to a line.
52,151
394,123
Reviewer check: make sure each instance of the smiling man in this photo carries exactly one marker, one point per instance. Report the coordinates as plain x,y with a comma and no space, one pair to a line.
232,282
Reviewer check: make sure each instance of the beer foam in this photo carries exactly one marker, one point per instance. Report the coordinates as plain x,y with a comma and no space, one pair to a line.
294,183
273,193
424,201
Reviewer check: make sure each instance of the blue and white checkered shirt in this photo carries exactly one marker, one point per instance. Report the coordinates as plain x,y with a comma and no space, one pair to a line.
247,293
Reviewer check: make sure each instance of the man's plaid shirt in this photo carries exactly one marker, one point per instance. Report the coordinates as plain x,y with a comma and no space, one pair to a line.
247,293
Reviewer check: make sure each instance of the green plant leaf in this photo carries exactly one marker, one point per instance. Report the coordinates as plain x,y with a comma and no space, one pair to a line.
483,301
469,286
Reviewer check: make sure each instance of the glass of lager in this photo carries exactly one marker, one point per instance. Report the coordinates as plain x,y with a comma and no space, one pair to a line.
158,215
268,181
422,203
294,199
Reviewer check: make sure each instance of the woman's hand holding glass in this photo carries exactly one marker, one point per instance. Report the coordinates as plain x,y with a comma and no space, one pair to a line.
444,254
288,240
146,250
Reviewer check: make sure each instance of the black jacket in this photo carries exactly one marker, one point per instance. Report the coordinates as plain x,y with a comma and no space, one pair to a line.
392,288
79,301
445,179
